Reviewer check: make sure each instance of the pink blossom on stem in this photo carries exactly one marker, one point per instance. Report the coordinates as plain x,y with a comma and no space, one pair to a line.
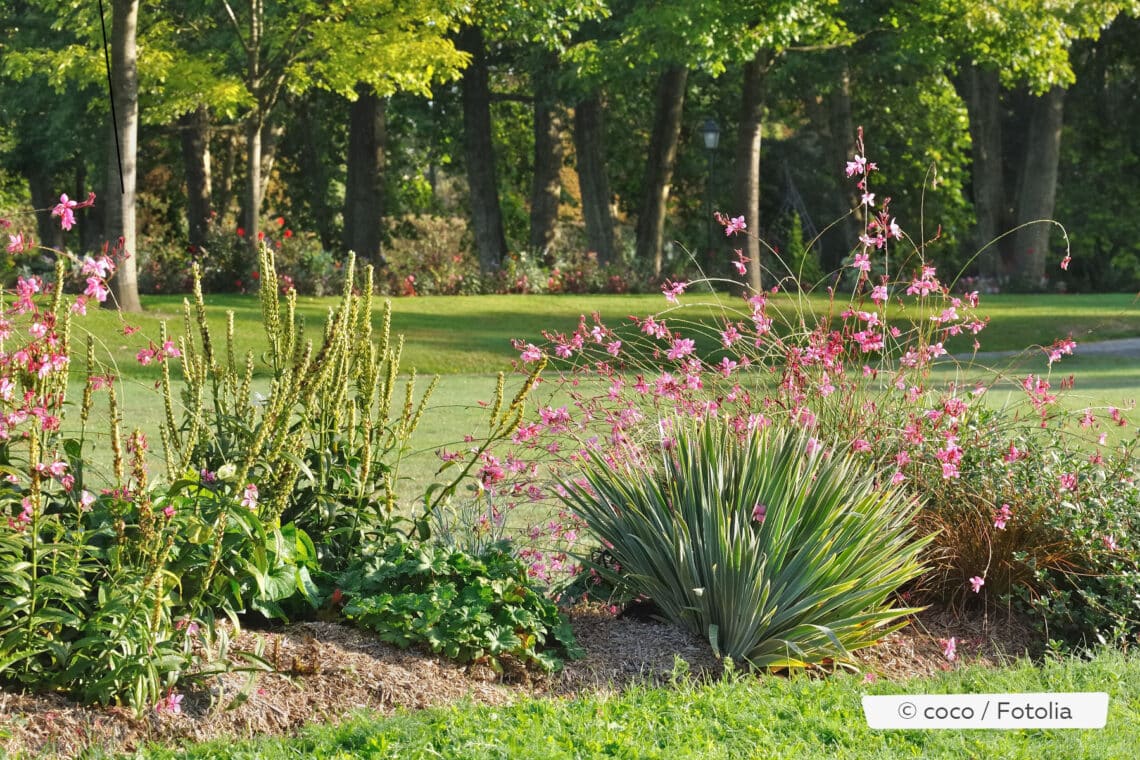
673,289
950,648
976,583
249,497
856,166
681,348
734,225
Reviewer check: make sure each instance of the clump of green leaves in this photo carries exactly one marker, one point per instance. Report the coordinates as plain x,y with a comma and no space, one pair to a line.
779,553
1047,520
469,607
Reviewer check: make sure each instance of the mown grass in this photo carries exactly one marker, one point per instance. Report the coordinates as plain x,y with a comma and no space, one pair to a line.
471,334
739,717
467,340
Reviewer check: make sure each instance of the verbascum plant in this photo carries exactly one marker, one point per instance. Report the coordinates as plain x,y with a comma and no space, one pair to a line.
779,553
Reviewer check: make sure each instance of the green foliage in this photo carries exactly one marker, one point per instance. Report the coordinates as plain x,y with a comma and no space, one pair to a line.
471,607
730,718
324,445
1064,554
780,555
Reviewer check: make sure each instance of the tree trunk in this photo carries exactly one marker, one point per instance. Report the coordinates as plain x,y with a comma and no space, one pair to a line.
748,163
982,91
252,179
363,200
659,165
195,133
271,135
546,188
224,190
44,198
255,124
486,216
589,138
1037,188
842,128
316,168
121,195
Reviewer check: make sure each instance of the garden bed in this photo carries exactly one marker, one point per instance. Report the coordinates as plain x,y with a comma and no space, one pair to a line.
327,671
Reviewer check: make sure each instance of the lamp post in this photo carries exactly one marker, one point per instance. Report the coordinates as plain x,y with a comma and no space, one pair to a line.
710,134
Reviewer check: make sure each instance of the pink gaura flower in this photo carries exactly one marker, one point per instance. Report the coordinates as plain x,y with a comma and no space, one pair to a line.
96,289
1065,262
856,166
249,497
530,353
1002,516
879,294
673,289
741,263
681,348
65,209
1069,481
950,648
1062,347
734,225
1109,542
171,703
16,243
862,262
976,583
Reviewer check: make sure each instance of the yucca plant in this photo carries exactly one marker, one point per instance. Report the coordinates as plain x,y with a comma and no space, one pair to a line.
781,554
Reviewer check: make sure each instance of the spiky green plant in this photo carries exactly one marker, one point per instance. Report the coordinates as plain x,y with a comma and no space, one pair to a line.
781,554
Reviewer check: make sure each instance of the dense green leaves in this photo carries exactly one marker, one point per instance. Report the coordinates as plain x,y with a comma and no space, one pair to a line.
472,608
779,553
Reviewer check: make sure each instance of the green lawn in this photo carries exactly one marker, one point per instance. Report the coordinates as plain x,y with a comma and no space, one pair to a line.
471,334
742,717
467,340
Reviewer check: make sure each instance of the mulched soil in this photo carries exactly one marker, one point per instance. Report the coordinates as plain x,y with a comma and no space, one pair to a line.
326,671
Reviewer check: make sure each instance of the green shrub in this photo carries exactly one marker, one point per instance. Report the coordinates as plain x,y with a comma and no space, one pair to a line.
1062,549
780,554
469,607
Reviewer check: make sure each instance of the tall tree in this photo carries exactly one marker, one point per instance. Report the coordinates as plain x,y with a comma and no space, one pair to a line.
1023,44
123,158
589,138
381,45
479,149
669,107
363,199
546,185
194,133
503,27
